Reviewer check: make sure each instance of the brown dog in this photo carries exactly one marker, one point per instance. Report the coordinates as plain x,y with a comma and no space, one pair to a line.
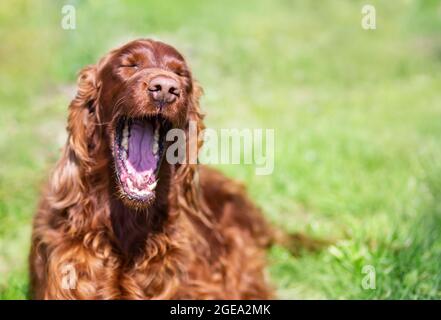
117,221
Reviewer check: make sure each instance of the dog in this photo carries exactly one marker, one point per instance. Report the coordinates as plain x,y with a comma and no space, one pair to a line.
117,220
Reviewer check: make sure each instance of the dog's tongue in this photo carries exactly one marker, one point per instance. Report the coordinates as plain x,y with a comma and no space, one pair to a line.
141,139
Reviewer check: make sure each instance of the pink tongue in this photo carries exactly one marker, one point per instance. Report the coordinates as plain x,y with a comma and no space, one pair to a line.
141,156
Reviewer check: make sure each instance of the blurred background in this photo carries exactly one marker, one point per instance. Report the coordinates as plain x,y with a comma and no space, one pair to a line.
356,113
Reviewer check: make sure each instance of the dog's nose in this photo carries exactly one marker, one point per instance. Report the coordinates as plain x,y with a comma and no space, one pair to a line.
164,89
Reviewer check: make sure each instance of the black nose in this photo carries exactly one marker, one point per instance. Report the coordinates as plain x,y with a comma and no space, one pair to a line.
164,89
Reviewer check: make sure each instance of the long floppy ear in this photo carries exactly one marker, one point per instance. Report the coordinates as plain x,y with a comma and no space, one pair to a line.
195,125
189,197
68,182
83,119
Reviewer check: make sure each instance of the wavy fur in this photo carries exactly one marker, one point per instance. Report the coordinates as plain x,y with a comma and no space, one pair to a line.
201,239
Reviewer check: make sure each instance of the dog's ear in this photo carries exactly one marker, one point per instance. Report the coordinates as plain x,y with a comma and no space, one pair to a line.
195,118
189,198
83,117
193,131
68,181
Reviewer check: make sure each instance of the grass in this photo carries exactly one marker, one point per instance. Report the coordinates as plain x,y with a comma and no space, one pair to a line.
356,116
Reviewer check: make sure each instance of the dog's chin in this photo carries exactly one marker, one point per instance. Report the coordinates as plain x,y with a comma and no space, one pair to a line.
138,152
136,204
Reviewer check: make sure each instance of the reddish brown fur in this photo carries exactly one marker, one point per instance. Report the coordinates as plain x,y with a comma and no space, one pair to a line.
202,238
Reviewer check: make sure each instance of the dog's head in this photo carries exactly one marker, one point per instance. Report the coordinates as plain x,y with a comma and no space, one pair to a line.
124,108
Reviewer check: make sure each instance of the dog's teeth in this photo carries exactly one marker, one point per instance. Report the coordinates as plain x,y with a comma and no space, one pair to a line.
144,192
155,146
126,130
157,133
139,180
125,138
125,143
153,185
130,184
130,169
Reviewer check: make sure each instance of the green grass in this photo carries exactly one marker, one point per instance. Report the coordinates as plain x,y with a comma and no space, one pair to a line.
356,116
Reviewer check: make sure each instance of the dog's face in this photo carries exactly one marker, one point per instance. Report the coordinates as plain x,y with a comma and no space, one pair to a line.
145,90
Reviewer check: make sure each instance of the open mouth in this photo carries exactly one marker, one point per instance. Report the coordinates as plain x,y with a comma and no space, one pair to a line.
138,151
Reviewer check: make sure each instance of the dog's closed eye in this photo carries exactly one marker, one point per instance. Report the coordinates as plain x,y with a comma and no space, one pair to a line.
182,73
130,65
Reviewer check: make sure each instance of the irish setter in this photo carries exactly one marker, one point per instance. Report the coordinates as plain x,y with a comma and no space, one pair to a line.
117,220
